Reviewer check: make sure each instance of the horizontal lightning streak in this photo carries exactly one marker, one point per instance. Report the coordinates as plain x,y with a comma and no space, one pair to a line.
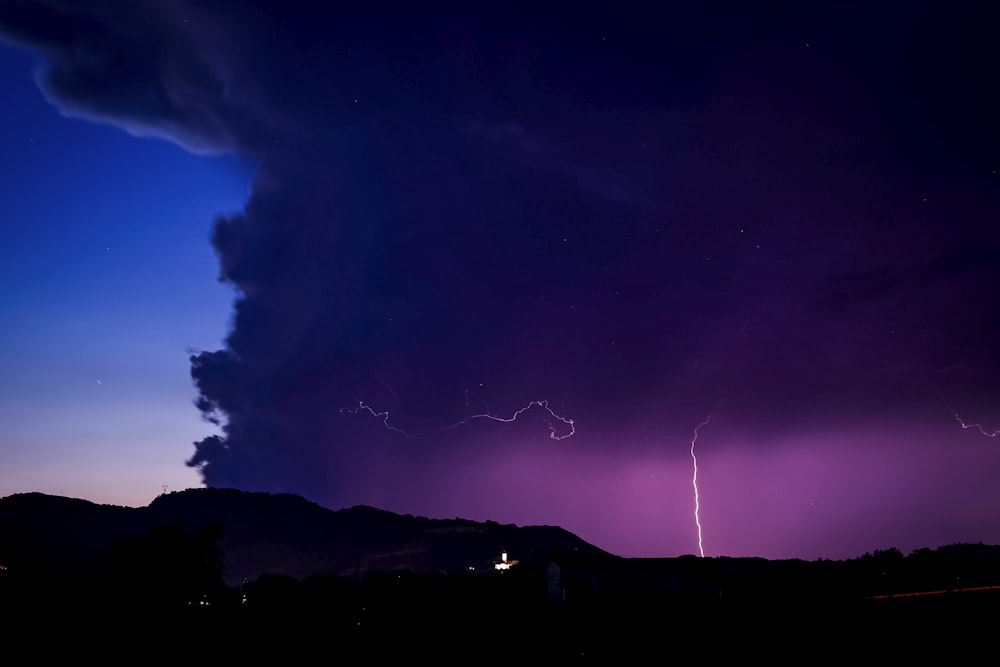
922,371
978,427
554,432
384,416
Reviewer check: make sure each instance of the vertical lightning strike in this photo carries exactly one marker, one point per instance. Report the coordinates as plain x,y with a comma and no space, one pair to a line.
554,433
694,483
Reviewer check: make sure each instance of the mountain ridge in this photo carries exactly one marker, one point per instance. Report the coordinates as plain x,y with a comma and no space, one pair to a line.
272,533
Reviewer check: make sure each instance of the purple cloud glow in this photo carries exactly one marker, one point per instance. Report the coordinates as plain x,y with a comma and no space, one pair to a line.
776,217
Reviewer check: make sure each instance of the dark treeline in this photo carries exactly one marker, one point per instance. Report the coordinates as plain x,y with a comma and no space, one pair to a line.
167,583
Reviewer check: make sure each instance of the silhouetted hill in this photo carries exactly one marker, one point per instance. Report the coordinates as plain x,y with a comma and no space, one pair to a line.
285,535
387,587
280,534
42,532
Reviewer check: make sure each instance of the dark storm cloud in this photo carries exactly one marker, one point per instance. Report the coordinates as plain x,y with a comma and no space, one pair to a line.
383,256
975,262
463,211
963,260
859,286
614,184
939,297
137,65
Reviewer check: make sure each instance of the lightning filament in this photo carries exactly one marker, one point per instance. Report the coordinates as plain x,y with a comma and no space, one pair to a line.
694,483
554,431
978,427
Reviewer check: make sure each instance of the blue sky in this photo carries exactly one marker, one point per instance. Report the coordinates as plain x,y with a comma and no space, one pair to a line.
108,280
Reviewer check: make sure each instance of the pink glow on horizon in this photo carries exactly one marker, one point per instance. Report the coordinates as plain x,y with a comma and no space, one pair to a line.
835,494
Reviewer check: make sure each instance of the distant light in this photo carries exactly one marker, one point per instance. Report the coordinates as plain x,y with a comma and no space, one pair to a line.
504,564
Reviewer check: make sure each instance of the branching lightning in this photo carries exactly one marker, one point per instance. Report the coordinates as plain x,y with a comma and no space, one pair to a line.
544,405
694,483
554,430
384,416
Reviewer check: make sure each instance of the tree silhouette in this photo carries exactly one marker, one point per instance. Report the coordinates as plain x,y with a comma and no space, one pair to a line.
164,567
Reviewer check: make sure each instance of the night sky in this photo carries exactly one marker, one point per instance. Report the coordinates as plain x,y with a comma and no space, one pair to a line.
500,262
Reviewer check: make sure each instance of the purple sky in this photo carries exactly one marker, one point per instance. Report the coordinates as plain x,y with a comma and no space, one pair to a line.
425,220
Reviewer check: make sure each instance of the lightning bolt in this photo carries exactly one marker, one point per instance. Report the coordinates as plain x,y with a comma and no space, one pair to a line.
921,370
384,416
554,431
978,427
694,483
544,405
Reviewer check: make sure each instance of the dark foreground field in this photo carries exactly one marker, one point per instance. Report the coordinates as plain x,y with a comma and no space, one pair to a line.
401,617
